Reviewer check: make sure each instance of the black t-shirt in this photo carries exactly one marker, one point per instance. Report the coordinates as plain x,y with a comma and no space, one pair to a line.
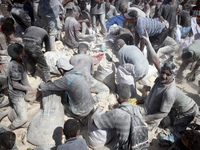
185,18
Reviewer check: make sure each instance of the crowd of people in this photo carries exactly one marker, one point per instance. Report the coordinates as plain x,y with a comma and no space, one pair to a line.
144,33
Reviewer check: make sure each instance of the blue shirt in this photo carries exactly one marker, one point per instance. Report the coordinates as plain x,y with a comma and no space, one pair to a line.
152,26
73,144
115,20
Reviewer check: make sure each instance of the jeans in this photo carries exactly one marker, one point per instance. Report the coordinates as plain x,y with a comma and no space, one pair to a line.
35,55
102,22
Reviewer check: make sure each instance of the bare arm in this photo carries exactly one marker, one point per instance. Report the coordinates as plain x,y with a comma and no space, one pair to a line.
80,36
19,86
142,44
151,50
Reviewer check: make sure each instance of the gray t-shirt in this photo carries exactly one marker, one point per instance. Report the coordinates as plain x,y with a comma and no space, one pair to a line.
119,120
17,73
38,35
97,8
182,102
112,12
85,64
73,144
133,55
119,3
5,129
161,98
74,85
71,25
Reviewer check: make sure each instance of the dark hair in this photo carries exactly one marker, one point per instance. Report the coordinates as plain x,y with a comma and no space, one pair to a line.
193,138
82,47
7,27
14,50
82,5
133,14
186,55
9,20
107,4
7,139
123,9
170,66
123,90
71,127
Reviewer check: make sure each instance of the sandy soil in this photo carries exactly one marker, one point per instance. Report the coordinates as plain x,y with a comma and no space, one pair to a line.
191,89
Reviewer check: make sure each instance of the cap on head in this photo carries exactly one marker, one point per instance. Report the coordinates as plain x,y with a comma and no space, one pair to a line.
63,63
14,50
171,66
123,90
131,14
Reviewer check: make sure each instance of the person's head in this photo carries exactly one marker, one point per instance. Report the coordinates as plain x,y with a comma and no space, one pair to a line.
7,140
107,6
63,65
168,72
76,12
7,28
71,128
170,1
83,5
83,48
119,43
191,139
122,9
131,16
123,90
146,1
16,51
187,55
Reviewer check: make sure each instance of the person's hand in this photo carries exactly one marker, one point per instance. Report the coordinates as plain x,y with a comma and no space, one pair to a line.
32,89
161,19
190,77
145,36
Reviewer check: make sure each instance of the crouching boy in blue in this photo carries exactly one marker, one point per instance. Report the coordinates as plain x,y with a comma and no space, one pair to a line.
17,84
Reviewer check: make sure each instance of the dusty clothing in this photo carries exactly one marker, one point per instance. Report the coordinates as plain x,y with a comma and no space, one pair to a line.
73,144
85,64
152,26
4,41
160,98
185,18
119,120
37,35
195,49
97,8
5,129
112,12
183,111
131,54
33,41
71,25
75,87
16,72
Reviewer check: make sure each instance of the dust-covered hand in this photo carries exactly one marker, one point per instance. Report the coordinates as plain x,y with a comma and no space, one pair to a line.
145,36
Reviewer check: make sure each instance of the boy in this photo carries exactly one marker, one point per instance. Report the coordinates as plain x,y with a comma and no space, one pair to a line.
17,84
71,130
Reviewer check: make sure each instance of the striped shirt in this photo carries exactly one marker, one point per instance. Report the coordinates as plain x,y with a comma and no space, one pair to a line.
153,26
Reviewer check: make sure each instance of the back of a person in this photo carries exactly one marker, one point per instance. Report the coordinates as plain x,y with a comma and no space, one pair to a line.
97,8
185,18
141,14
152,26
83,63
133,55
35,34
80,98
71,24
73,144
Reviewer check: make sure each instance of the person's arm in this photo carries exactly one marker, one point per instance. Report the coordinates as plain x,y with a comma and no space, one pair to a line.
92,67
47,43
4,52
159,13
190,75
147,9
142,44
137,38
150,119
151,50
80,36
19,86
